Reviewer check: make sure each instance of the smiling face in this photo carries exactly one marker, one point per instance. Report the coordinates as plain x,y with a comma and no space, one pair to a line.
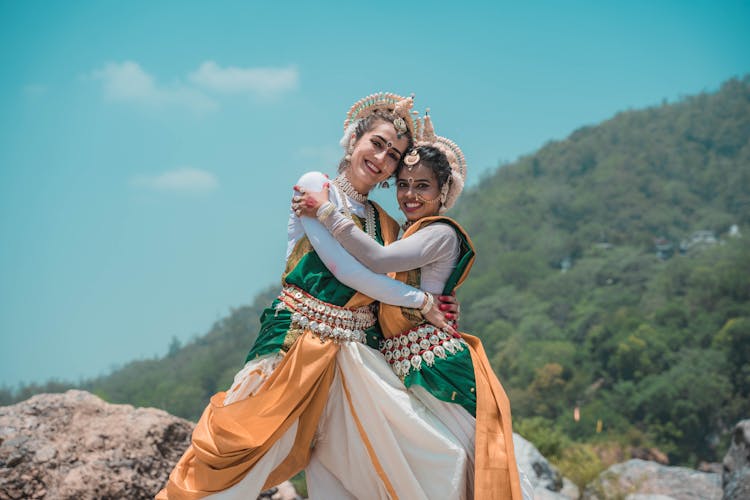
375,156
418,192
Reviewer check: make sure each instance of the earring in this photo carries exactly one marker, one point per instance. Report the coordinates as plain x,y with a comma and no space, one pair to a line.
385,185
350,149
444,193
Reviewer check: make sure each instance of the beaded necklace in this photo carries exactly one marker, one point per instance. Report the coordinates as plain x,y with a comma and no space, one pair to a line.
343,183
369,208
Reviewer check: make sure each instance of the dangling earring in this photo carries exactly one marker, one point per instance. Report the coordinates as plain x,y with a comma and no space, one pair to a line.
444,193
385,185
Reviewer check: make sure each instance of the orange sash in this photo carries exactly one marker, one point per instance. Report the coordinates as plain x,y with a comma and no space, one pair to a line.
495,471
229,440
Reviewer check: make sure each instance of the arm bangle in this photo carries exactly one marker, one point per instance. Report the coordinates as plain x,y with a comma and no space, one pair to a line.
325,211
429,301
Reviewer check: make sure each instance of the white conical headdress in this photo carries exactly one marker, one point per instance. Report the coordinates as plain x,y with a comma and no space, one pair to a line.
426,137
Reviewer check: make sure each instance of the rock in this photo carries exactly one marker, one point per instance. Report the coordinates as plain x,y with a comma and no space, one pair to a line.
45,454
640,496
541,493
649,454
641,480
714,467
569,489
546,480
736,473
74,445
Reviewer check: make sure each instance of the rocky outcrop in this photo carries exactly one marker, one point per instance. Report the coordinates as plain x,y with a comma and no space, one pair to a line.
546,480
74,445
736,473
641,480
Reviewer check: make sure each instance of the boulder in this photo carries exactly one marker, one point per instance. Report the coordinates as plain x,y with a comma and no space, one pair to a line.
736,470
642,480
545,479
74,445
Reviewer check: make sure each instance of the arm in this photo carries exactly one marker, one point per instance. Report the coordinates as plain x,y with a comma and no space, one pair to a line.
436,242
353,274
345,268
429,244
380,287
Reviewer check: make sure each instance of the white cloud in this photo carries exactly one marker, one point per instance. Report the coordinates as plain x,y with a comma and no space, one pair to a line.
181,180
265,82
128,82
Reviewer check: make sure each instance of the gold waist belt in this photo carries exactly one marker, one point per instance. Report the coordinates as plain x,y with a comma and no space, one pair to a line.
423,343
327,321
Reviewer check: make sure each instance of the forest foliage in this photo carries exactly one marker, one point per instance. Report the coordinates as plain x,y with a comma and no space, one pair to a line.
588,291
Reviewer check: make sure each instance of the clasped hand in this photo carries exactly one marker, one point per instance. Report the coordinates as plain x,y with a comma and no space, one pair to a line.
307,203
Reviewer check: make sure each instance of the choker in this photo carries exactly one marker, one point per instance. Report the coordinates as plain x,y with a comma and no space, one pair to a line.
343,183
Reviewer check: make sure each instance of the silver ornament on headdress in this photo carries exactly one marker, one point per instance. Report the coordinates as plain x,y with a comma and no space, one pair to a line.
386,101
426,137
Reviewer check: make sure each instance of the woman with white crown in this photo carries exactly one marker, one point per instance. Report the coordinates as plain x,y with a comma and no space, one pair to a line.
446,370
314,378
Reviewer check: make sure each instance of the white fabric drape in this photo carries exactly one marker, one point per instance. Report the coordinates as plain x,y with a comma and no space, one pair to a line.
406,448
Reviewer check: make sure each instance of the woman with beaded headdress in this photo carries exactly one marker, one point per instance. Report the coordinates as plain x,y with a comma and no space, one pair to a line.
446,370
314,378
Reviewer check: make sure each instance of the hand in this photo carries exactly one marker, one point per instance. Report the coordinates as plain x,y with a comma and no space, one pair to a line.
306,203
439,319
451,307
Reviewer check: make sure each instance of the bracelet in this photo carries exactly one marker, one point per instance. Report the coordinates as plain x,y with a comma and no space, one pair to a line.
429,301
325,211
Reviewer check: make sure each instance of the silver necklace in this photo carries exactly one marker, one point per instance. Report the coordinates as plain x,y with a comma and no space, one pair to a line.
343,183
370,220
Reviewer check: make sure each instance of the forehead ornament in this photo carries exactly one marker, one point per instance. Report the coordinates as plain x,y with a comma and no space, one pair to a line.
400,126
412,158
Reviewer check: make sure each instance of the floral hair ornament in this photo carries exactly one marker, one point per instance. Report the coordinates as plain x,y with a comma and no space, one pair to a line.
426,137
386,101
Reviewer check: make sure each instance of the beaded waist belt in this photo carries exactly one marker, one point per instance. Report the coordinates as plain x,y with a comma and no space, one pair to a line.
423,343
326,321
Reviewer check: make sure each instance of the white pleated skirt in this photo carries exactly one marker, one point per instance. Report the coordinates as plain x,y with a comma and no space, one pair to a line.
374,440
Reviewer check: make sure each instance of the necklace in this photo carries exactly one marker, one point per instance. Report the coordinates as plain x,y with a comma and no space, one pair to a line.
370,220
369,209
343,183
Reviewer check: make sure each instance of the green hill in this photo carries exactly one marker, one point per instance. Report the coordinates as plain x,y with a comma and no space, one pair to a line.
574,305
572,301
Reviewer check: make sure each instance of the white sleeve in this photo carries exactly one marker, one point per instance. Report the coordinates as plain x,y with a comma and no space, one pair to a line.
353,274
435,242
346,268
312,181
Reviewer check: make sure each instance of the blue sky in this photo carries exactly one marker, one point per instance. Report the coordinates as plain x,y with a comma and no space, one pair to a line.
147,148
